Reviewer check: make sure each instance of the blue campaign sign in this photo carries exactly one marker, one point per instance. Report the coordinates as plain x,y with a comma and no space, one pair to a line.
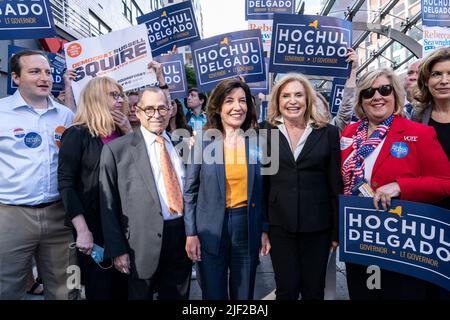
337,93
169,26
263,111
227,56
312,45
436,13
57,65
261,86
264,9
26,19
411,238
174,74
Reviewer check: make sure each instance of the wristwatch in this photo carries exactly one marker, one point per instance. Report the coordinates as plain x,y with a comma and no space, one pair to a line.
164,86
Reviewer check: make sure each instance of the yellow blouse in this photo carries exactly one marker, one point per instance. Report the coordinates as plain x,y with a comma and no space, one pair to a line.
235,176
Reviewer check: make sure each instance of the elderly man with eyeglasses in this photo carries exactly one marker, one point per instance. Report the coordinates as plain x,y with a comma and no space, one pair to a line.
141,183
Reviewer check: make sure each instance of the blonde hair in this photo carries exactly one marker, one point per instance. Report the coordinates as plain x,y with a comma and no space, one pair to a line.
366,82
93,111
422,93
311,113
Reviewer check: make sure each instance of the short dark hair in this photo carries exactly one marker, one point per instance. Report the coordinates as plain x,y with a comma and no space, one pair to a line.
201,95
14,62
133,93
217,98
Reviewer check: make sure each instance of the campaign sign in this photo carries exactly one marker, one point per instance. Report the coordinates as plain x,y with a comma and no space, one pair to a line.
436,13
57,65
169,26
264,9
263,111
337,94
26,19
434,38
410,238
122,55
312,45
260,86
266,31
227,56
174,74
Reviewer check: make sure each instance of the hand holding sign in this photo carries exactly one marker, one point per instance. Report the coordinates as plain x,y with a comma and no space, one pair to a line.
156,67
352,58
385,193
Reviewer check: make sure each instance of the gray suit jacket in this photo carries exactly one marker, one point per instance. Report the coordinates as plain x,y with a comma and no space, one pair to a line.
131,215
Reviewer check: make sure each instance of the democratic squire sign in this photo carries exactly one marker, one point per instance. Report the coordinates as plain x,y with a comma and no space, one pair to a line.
174,74
228,56
26,19
436,13
57,66
410,238
312,45
169,26
265,9
122,55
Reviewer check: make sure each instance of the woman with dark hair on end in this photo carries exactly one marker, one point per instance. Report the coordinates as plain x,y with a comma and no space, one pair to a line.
433,108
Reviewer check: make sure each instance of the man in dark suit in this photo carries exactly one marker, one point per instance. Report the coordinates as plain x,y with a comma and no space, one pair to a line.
141,178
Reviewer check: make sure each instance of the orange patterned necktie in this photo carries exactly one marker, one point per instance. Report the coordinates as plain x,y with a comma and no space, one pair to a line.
173,191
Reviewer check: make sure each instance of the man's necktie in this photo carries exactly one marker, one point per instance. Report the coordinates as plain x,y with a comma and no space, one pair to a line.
173,192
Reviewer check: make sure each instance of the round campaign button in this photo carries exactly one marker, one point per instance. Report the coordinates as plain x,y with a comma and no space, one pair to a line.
58,134
399,149
33,140
19,133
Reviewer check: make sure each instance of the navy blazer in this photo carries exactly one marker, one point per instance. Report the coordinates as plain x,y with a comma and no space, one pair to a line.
205,196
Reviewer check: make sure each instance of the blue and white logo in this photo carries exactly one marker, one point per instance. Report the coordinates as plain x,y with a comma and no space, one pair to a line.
33,140
399,149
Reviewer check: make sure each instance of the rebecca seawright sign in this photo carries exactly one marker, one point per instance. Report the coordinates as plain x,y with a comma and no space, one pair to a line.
410,238
312,45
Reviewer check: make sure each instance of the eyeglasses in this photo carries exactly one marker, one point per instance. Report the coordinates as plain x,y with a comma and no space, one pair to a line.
150,112
116,95
384,90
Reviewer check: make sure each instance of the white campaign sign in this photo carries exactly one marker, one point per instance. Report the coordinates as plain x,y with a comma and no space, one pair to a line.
434,38
266,31
122,55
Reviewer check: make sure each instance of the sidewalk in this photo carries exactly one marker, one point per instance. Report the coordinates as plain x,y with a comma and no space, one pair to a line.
265,283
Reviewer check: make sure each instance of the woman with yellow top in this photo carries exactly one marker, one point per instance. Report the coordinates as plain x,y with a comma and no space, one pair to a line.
225,212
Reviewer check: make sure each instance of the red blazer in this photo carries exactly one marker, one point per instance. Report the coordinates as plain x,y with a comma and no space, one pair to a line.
422,172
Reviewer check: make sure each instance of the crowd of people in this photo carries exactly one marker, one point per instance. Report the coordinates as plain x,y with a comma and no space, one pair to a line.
132,189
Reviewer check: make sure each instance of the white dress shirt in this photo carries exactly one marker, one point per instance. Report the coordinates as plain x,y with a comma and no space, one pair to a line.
301,142
29,150
154,156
